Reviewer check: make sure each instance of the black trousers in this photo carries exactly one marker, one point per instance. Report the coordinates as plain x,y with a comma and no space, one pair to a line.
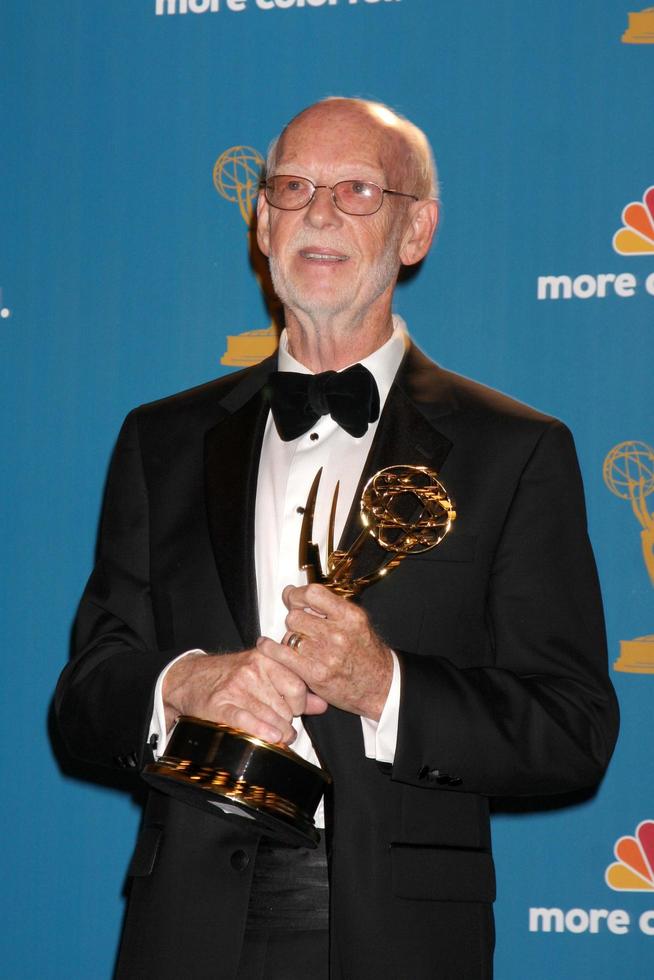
285,954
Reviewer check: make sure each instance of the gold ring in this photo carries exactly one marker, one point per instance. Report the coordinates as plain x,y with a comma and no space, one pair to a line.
294,641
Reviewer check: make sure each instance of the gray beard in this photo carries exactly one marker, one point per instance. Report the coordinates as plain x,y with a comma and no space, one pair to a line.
383,275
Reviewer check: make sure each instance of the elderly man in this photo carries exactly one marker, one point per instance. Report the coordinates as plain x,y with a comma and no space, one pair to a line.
474,670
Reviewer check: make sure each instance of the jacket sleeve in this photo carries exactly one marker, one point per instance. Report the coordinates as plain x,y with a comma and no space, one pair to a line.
104,696
539,714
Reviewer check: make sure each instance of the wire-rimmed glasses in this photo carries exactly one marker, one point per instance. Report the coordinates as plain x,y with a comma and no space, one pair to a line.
291,193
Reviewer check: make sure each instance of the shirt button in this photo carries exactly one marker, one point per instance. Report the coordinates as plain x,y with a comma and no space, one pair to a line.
314,436
239,860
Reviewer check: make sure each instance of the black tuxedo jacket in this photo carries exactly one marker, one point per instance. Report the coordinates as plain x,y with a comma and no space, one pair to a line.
499,632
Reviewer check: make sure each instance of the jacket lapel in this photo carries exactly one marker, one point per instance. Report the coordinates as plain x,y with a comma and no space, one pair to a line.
232,451
406,435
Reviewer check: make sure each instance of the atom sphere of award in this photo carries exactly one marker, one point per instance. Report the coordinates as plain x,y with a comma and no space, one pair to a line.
403,510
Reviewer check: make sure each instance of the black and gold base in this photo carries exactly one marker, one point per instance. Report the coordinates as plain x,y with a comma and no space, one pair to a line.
214,766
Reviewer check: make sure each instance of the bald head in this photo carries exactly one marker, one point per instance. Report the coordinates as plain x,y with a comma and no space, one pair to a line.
407,156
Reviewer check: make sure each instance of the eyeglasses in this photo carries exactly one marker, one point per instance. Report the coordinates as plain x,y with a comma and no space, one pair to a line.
350,196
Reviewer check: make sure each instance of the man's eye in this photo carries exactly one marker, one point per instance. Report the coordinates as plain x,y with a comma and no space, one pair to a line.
360,188
293,185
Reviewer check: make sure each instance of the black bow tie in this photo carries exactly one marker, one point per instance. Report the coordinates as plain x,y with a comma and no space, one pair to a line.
297,400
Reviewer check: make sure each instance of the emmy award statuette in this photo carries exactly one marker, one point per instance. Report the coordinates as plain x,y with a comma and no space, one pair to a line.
403,510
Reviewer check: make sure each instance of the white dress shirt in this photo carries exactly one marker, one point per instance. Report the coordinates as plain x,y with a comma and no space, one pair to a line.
286,472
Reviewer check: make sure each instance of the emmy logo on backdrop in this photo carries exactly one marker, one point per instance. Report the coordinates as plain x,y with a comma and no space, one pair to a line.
236,177
629,474
640,28
404,510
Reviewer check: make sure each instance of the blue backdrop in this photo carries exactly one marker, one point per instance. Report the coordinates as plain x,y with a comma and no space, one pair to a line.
123,272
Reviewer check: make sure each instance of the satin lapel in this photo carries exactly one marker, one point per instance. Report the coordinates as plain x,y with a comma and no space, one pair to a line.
232,450
405,436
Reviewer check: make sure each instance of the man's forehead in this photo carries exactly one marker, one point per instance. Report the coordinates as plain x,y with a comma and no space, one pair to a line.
344,136
348,161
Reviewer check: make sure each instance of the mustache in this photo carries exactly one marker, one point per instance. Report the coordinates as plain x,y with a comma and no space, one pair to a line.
304,239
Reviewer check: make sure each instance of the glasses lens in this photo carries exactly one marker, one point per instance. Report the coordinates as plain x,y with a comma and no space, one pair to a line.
358,196
288,193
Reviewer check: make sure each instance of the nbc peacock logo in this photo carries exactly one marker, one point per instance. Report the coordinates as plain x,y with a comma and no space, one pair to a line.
636,237
634,869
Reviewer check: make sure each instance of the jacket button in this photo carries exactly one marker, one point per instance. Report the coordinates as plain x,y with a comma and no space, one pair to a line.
239,860
455,780
120,761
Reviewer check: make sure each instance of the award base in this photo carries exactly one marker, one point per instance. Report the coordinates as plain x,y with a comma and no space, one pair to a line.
238,776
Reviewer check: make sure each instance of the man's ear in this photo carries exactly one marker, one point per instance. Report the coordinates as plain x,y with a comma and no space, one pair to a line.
422,222
263,224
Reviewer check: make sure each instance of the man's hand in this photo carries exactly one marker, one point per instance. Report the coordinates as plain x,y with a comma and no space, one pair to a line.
340,657
244,690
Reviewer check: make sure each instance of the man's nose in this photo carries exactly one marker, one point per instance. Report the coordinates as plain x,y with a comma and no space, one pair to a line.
321,210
